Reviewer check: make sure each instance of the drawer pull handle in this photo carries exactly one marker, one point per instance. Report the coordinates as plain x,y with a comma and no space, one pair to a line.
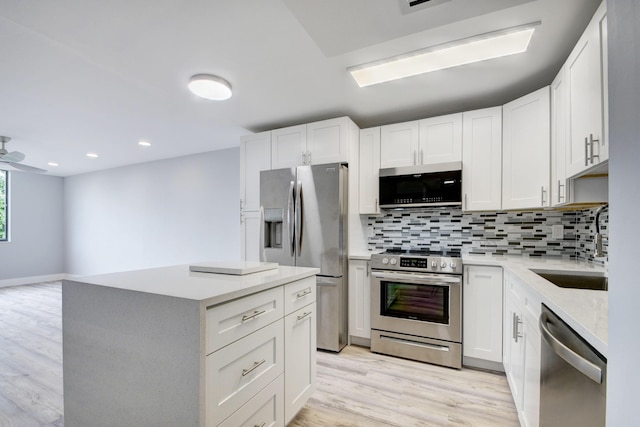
303,294
252,316
302,316
246,372
260,425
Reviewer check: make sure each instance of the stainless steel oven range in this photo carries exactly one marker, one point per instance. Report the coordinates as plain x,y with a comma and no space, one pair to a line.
416,306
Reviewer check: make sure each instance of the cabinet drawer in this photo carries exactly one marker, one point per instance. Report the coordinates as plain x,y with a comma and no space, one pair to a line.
265,409
299,294
231,321
236,373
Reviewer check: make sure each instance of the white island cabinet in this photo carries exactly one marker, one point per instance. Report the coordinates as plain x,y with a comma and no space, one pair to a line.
170,347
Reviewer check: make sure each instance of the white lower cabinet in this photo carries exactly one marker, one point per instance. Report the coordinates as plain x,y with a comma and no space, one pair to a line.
482,316
264,409
522,348
239,371
359,302
260,367
300,359
250,229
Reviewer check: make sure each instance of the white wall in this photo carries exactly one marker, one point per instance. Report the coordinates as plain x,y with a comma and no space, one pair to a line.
624,176
167,212
36,228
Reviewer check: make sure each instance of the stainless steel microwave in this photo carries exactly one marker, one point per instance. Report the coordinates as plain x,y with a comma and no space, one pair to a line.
418,186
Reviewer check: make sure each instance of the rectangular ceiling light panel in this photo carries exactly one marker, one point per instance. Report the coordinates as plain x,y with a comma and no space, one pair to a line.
482,48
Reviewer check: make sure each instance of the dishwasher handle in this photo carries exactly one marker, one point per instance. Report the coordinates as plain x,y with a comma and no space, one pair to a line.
588,369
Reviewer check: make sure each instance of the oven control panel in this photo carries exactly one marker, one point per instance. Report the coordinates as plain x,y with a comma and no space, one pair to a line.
431,264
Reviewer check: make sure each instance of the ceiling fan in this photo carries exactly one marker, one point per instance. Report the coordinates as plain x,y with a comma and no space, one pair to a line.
14,158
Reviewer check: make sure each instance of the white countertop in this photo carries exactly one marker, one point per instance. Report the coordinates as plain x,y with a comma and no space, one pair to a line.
586,311
363,255
208,288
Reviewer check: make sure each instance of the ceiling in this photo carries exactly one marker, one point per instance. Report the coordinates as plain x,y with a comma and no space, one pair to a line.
79,76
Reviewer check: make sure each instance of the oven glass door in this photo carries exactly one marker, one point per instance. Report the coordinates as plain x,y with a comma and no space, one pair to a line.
429,303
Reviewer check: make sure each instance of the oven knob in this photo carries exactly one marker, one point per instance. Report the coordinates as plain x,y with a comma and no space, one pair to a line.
434,264
385,261
393,261
453,265
443,264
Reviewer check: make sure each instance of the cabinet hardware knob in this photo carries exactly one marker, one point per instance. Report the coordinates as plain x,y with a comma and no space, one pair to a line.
246,372
303,294
255,314
303,315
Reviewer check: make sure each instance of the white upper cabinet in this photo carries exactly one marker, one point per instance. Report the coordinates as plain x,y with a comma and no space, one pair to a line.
369,171
327,141
288,147
315,143
586,70
482,159
427,141
440,139
255,156
559,132
526,151
399,145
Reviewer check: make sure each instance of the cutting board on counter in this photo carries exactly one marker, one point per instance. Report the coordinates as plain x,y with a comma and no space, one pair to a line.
236,268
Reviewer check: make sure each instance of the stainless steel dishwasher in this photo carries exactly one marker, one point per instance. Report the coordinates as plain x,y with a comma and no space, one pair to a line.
573,378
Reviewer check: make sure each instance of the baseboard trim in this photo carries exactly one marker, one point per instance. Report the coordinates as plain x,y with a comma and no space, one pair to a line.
359,341
33,279
486,365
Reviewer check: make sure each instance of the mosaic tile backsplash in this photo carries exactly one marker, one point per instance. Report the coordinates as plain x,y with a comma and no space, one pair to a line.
498,233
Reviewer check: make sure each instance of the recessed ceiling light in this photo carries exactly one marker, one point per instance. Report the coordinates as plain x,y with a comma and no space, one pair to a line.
475,49
144,143
210,87
53,164
92,155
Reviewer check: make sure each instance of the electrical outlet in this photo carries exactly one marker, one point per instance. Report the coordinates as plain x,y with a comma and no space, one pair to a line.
557,231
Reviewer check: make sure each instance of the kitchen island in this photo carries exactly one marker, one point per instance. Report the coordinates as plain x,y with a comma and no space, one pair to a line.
170,347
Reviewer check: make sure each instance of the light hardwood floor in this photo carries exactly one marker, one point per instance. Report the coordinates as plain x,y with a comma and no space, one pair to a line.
355,387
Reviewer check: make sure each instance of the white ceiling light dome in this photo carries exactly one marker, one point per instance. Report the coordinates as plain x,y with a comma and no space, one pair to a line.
211,87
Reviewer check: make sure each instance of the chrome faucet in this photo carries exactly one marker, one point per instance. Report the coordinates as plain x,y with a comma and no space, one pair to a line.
598,238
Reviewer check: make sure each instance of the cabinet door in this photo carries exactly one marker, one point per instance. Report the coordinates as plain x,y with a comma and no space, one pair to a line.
369,171
399,145
604,49
531,380
515,341
300,359
327,141
255,156
584,77
440,139
250,228
359,299
482,159
482,315
559,132
526,151
264,409
288,147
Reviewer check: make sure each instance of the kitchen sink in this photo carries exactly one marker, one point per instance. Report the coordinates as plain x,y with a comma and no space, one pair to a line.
575,280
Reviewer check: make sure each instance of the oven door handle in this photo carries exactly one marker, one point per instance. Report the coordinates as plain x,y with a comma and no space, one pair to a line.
431,279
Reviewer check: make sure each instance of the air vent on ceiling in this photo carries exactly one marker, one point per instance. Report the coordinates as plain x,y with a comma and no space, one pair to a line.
409,6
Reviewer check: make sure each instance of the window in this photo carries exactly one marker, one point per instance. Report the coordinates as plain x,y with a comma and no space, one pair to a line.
4,204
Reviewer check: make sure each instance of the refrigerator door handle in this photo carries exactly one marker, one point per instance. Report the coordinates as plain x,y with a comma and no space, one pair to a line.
263,255
298,220
290,219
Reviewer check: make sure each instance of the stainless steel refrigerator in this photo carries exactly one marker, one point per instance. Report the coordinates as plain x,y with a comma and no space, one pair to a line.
304,223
